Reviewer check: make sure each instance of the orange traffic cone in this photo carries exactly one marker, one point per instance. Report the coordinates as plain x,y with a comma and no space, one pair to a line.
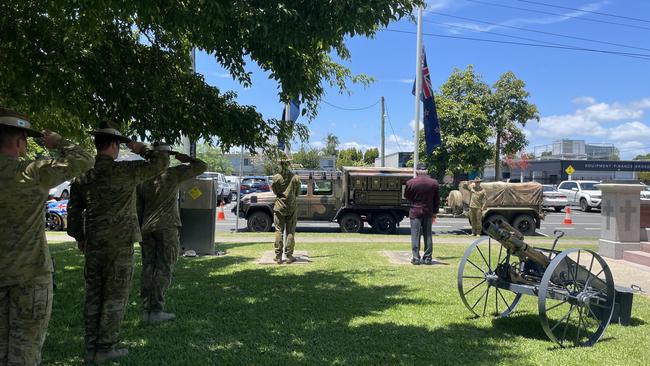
567,217
221,216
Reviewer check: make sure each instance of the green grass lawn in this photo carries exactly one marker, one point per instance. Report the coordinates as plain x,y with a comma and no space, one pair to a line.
349,307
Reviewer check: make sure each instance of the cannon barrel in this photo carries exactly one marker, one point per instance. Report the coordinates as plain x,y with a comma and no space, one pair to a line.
512,240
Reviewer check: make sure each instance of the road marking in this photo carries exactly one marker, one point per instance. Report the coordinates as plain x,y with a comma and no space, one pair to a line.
592,228
539,232
564,228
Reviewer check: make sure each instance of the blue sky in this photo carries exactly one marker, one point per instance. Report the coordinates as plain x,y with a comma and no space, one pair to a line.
581,95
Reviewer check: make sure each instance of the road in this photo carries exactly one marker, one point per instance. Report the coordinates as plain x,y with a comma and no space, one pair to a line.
585,225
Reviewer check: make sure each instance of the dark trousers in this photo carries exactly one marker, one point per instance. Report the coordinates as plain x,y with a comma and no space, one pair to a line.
422,226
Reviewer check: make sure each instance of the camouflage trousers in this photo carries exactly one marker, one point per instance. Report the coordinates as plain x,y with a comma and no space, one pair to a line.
108,274
476,217
24,314
283,223
159,255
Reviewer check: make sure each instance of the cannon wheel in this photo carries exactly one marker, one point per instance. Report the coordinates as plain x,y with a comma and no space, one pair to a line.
582,317
479,262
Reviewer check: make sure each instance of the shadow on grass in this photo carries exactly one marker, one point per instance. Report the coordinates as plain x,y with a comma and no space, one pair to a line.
274,316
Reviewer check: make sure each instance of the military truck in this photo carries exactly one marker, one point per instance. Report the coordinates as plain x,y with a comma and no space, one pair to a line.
519,204
350,197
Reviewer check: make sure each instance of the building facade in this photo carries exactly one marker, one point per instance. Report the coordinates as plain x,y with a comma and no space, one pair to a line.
395,160
555,171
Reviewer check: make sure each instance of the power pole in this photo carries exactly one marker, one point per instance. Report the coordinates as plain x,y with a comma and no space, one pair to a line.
383,135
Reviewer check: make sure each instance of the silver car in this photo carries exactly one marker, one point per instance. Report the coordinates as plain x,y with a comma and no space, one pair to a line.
553,199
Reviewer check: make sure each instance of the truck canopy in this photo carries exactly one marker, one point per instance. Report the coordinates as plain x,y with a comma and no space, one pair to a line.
501,194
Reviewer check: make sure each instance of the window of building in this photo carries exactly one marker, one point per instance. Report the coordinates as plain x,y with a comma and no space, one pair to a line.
247,162
321,188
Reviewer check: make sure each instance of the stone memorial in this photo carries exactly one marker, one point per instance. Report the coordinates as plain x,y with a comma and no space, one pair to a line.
620,219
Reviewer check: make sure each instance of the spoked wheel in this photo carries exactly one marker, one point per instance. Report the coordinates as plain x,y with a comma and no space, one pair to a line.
576,298
477,269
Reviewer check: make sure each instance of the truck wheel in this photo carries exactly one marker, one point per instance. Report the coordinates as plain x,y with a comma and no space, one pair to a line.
491,219
584,206
350,223
384,224
259,221
525,224
227,199
559,209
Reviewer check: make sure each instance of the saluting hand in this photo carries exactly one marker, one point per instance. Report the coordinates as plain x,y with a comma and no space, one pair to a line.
51,139
183,158
136,146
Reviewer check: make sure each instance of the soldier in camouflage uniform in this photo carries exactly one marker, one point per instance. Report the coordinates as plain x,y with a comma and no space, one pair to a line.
286,187
160,219
25,262
476,206
102,217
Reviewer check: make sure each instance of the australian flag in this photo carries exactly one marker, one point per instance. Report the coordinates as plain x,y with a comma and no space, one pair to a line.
431,124
294,112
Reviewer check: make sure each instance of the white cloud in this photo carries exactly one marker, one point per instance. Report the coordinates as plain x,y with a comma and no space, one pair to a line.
396,143
587,121
412,125
584,100
401,81
437,5
630,131
222,75
356,145
551,19
617,123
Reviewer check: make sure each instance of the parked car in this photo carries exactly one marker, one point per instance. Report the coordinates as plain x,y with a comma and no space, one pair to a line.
60,192
255,184
581,192
56,215
233,182
221,186
553,199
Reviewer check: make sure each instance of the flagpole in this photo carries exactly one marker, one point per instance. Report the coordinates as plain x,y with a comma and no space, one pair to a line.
418,92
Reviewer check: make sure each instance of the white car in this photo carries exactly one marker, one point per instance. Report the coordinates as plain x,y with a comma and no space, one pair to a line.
645,193
582,192
554,199
221,186
60,192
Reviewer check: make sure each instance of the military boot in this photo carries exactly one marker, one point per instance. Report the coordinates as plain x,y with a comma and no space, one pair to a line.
95,357
290,259
278,259
159,317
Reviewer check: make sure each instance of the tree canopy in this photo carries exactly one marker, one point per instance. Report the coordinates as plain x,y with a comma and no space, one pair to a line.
464,126
308,158
215,159
70,63
508,108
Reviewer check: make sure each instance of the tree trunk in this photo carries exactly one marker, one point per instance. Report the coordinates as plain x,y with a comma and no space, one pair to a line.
497,162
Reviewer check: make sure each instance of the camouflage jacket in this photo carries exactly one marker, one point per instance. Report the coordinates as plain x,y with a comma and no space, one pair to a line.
24,186
102,205
286,189
158,197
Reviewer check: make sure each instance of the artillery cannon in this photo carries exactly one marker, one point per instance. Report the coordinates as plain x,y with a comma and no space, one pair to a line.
575,288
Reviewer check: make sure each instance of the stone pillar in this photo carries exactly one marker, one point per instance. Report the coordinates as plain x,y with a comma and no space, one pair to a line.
620,219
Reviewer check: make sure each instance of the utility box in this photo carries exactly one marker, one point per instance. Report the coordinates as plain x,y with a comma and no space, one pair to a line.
198,208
